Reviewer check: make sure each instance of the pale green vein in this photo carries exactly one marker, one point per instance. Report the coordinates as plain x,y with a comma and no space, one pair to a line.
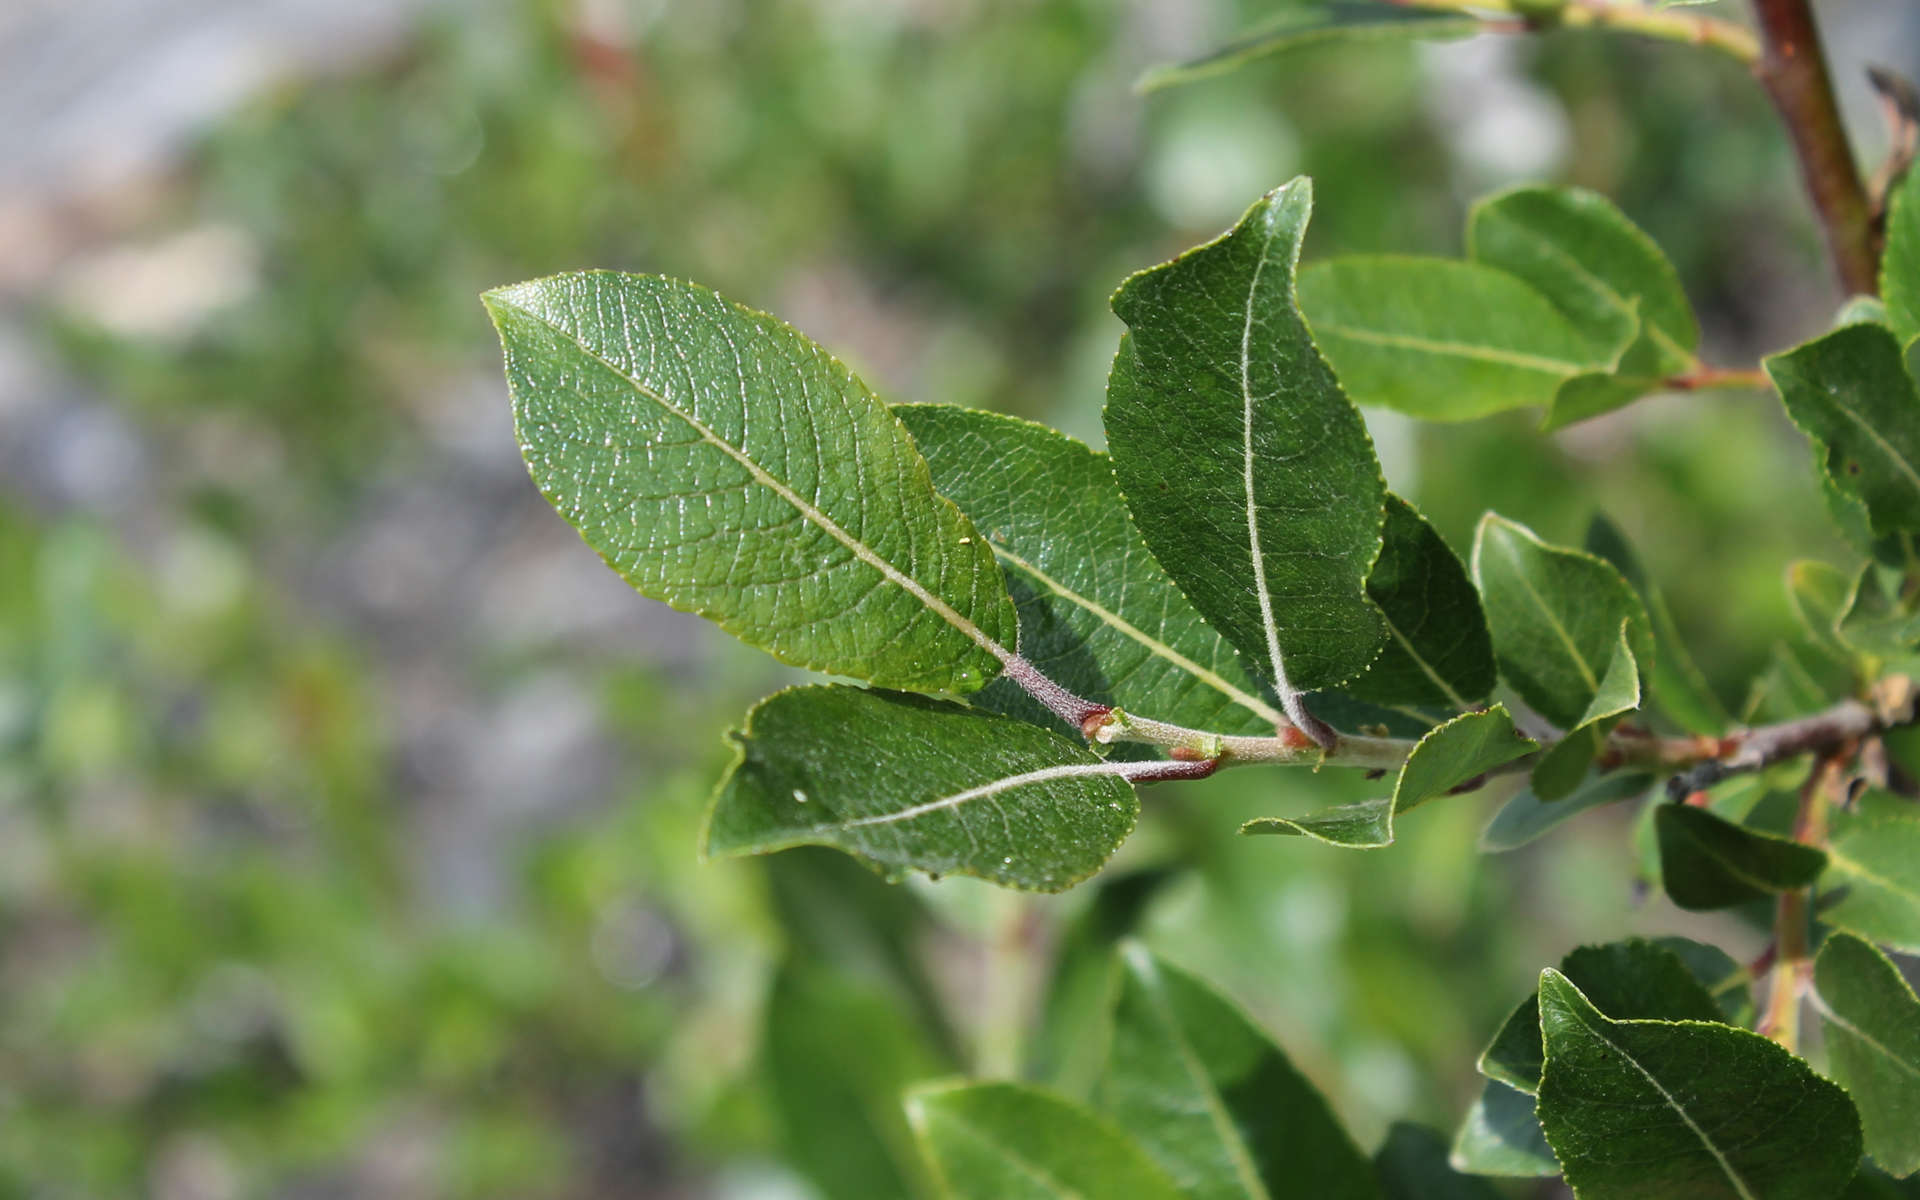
813,515
1153,645
1031,1170
1407,341
1288,700
995,788
1886,448
1885,1051
1607,293
1426,669
1852,867
1553,622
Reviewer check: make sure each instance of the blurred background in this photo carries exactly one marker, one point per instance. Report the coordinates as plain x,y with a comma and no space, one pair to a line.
348,804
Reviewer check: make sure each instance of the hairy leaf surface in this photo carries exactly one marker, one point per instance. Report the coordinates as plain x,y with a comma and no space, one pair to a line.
905,781
722,462
1245,466
1872,1019
1011,1142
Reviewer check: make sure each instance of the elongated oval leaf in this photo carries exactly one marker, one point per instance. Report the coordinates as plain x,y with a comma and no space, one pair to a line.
904,781
1527,817
1246,468
1565,763
1630,980
1345,20
1555,614
721,462
1438,652
1688,1110
1873,868
1501,1136
1440,339
1900,265
1003,1141
1850,393
1097,612
1214,1100
1708,862
1872,1019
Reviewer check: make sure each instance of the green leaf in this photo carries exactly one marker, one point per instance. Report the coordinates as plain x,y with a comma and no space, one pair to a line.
1448,757
1214,1100
1652,1110
1412,1165
1626,980
1246,468
1004,1141
1602,273
905,781
1501,1136
1819,593
1346,20
1564,765
1873,863
1556,616
723,463
1850,393
1900,265
1067,1048
1438,652
1440,339
839,1113
1679,687
1098,615
1872,1020
1707,861
1527,817
1726,980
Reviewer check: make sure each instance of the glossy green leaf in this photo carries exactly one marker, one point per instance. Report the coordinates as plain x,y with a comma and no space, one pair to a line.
1004,1141
1449,756
1657,1110
838,1113
903,781
1501,1136
1412,1165
721,462
1438,652
1679,688
1246,468
1630,980
1561,768
1556,616
1900,264
1527,817
1097,613
1850,393
1440,339
1872,1021
1873,868
1291,29
1707,861
1214,1100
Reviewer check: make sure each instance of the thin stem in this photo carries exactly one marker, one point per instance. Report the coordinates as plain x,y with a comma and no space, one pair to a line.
1793,961
1793,69
1703,378
1728,37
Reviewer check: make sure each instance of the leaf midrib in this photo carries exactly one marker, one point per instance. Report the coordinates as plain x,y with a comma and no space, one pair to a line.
1874,1043
808,511
991,788
1552,619
1265,597
1408,341
1002,1151
1217,1114
1611,296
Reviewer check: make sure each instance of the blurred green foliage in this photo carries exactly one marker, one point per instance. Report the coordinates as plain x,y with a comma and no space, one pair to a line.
228,969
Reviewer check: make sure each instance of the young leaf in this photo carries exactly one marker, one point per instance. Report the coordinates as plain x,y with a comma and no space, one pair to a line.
1872,1021
1440,339
1556,616
1449,755
1818,593
1850,393
839,1113
1412,1165
1214,1100
1349,20
721,462
905,781
1628,980
1438,653
1679,687
1004,1141
1097,614
1657,1110
1501,1136
1527,817
1900,265
1564,765
1246,468
1873,864
1708,862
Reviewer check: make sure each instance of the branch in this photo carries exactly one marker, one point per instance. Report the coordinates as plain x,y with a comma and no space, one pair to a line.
1893,703
1793,69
